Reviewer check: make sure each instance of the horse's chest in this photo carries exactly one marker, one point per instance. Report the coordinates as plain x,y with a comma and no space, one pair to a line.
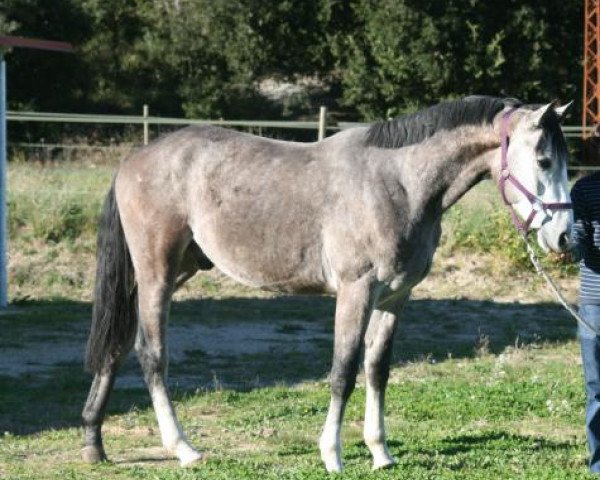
410,271
411,264
397,287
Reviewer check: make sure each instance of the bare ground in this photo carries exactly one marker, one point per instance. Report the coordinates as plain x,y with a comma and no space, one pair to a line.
242,338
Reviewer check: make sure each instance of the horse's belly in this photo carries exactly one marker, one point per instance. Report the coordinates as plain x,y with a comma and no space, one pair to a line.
267,263
303,280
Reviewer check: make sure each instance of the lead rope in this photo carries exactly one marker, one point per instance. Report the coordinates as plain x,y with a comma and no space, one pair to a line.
540,271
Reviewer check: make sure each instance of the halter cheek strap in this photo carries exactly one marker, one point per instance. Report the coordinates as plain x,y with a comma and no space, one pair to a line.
537,205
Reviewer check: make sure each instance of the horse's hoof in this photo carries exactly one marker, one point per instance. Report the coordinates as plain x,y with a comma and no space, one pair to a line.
384,463
333,465
187,455
91,454
192,459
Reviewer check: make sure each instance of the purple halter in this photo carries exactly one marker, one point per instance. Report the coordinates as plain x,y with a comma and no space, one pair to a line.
537,205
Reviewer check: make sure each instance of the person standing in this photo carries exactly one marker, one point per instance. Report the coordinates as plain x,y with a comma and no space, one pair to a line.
585,196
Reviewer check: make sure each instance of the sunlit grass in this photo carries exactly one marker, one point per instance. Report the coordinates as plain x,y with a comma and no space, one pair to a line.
517,415
53,215
460,404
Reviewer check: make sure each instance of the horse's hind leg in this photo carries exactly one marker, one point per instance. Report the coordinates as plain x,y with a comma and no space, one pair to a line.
378,352
113,323
94,411
157,269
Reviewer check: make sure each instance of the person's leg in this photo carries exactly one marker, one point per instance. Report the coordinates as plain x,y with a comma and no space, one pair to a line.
590,354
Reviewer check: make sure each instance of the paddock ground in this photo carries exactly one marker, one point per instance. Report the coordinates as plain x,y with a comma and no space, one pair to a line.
486,380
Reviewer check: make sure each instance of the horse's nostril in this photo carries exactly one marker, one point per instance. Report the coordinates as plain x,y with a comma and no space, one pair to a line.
563,240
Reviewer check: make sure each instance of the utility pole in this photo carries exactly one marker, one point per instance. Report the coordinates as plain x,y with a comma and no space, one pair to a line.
7,41
591,66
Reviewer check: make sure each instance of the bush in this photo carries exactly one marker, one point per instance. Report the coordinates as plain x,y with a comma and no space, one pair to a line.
491,230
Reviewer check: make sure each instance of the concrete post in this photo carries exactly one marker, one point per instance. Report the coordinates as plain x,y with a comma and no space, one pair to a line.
146,132
322,122
3,203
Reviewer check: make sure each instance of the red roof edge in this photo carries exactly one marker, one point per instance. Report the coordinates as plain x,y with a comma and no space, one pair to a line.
38,44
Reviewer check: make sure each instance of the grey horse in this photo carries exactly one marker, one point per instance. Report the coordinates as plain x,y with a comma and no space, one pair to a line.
357,215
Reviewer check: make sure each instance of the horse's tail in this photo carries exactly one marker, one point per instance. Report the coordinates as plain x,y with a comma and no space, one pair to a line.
114,315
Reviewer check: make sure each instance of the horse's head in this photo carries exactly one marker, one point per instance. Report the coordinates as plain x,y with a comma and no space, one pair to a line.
532,173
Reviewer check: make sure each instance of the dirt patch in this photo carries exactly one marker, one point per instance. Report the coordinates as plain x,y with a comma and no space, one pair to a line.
463,302
483,277
193,342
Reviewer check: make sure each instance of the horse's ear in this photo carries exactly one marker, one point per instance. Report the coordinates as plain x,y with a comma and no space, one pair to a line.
537,116
560,111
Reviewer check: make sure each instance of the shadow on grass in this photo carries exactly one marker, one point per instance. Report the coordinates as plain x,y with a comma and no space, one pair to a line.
473,446
50,396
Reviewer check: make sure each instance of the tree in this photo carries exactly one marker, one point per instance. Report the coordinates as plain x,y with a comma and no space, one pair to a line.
37,79
371,58
408,53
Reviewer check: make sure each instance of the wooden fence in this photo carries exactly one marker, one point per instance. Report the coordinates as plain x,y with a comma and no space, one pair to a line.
322,126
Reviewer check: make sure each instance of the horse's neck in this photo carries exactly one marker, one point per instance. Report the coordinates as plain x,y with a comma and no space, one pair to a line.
453,163
470,175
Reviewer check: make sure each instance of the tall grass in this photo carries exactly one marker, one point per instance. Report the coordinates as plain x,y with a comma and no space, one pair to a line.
481,223
62,204
55,204
54,211
53,216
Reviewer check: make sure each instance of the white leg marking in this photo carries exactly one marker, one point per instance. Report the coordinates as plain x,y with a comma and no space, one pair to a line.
173,438
329,443
374,429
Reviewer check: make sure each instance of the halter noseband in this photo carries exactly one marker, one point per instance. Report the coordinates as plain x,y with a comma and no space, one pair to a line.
537,205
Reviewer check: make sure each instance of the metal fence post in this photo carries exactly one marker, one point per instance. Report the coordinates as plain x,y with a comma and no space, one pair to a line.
322,122
3,203
145,115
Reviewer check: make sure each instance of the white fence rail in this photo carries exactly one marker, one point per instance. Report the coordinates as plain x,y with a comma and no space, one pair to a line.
321,126
145,119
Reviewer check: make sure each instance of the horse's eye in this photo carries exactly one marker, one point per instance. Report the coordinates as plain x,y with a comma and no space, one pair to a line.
545,163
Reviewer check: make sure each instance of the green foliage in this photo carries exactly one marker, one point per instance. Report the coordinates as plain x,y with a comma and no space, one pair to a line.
6,27
39,79
371,58
492,231
55,205
413,53
487,232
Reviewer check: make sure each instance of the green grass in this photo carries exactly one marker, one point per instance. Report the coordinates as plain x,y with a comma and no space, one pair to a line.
463,401
516,415
480,222
53,213
55,204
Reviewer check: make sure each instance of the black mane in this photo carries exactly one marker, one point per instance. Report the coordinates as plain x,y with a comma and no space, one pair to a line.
416,127
553,135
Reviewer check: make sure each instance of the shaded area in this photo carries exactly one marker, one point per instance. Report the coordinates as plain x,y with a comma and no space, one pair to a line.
237,343
455,453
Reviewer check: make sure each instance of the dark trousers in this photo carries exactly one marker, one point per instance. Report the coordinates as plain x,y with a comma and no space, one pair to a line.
590,354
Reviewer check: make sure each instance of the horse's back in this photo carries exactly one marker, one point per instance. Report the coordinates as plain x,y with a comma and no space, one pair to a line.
255,206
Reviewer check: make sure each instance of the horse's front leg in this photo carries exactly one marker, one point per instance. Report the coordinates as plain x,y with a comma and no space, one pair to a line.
351,314
378,351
